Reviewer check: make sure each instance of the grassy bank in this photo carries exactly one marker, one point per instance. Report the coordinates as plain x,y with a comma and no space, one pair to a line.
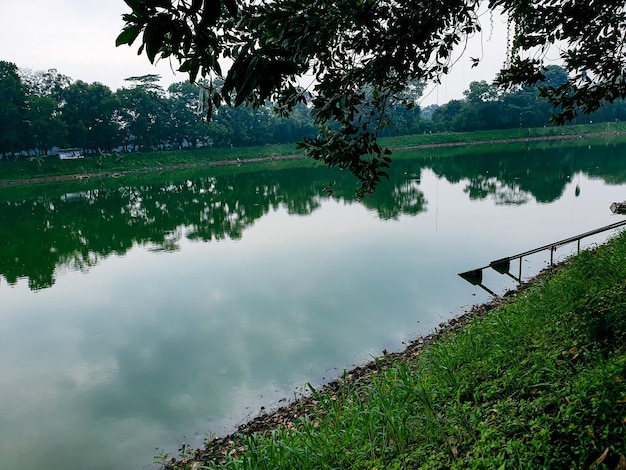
503,134
40,168
45,167
539,381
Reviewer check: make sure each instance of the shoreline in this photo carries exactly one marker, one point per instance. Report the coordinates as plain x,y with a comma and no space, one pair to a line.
116,174
216,450
186,166
287,414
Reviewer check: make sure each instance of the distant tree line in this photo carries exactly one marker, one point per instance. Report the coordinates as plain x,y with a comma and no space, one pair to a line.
487,106
44,110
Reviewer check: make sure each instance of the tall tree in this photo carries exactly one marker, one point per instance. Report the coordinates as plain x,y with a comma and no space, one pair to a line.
13,128
444,115
45,90
45,83
184,103
46,128
349,45
290,129
144,113
89,111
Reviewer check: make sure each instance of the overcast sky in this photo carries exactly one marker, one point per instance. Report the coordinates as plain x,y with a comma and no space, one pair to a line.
77,37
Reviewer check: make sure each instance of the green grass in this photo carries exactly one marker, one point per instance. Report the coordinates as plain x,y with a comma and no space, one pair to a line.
536,383
135,161
157,161
502,134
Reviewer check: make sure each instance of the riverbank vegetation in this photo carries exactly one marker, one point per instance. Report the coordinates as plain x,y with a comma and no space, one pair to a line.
538,381
108,164
45,110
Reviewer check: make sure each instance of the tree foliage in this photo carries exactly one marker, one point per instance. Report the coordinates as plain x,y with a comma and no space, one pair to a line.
360,54
89,111
13,109
46,110
589,36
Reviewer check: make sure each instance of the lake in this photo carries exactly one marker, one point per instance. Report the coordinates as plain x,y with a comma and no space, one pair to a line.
142,313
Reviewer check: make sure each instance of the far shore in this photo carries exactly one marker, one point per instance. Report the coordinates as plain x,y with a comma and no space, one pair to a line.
293,156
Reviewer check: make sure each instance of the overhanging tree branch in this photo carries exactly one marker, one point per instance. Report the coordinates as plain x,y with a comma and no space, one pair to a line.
360,50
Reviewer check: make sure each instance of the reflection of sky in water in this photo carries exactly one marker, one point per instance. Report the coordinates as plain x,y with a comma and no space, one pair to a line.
150,348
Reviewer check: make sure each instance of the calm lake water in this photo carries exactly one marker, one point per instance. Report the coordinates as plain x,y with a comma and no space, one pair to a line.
136,316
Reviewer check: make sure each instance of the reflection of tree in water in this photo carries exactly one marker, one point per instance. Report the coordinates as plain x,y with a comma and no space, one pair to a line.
77,230
481,188
396,199
538,170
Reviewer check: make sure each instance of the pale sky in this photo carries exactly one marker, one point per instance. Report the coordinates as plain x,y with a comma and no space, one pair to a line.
77,37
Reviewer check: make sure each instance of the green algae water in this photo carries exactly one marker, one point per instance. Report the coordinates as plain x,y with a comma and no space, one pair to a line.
140,316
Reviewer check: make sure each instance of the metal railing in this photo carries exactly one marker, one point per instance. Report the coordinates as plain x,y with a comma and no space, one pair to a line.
503,265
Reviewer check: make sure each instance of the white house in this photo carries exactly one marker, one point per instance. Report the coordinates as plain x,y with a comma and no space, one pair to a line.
70,154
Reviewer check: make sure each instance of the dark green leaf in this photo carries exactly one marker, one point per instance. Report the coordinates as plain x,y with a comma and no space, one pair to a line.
210,13
128,35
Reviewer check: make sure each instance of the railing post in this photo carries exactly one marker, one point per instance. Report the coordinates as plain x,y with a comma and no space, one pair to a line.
552,247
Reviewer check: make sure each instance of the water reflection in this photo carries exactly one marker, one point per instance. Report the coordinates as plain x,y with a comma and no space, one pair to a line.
78,229
214,295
